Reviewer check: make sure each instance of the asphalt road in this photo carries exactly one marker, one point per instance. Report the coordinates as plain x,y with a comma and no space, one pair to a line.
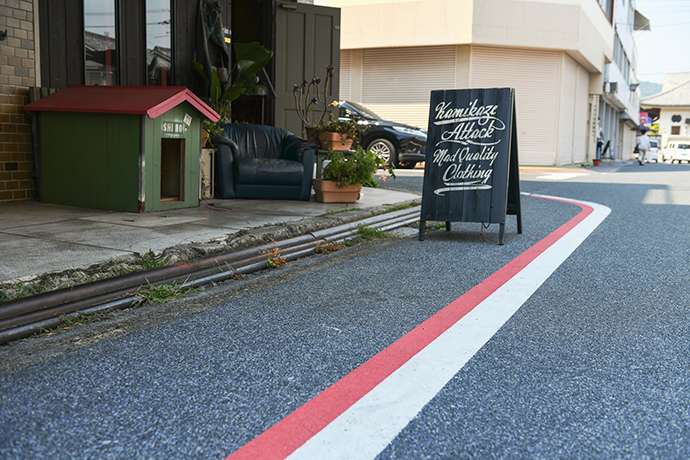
595,364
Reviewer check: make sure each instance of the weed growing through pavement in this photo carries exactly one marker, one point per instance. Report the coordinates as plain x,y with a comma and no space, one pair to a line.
79,319
161,293
328,247
369,233
274,259
150,261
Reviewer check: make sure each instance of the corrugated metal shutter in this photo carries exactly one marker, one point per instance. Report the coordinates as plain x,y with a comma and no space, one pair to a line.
396,82
345,74
535,75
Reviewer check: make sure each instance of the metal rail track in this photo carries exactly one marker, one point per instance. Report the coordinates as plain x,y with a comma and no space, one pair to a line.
28,316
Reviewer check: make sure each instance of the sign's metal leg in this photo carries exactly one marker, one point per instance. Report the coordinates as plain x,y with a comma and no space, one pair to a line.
501,233
519,222
422,229
447,226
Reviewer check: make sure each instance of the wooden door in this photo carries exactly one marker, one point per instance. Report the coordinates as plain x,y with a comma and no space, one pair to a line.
307,41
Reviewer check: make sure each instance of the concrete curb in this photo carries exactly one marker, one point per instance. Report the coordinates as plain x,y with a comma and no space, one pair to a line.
27,316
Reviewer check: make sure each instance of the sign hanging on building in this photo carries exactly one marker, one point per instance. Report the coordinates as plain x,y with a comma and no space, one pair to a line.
471,172
173,128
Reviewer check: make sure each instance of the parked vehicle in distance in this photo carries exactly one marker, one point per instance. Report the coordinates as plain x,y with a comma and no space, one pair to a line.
678,150
653,154
399,144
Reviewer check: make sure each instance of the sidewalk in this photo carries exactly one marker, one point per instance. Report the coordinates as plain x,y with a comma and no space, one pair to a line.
38,238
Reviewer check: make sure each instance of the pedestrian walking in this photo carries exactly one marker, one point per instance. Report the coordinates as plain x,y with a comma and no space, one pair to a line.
643,147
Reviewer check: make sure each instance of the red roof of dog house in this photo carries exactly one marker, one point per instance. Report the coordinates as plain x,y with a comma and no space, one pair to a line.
152,101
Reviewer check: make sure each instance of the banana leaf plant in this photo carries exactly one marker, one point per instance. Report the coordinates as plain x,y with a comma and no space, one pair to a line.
250,59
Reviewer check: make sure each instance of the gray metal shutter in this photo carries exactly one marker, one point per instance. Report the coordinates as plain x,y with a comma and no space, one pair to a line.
535,75
396,82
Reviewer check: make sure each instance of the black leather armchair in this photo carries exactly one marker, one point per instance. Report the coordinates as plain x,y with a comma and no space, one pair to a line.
255,161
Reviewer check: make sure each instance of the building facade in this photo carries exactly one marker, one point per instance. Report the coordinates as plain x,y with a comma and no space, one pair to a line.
51,44
673,107
18,63
619,105
554,53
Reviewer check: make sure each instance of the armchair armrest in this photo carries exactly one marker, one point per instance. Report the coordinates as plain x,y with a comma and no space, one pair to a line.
294,148
224,173
219,141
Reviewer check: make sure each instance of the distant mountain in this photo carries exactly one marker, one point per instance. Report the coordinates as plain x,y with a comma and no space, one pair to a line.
649,88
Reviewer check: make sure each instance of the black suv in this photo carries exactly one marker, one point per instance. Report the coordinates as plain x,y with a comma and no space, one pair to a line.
400,144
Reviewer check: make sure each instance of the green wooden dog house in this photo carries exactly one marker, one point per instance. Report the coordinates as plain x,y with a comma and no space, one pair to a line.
120,148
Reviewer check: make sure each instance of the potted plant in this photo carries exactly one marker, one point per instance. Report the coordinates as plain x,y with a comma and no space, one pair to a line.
337,135
320,115
345,175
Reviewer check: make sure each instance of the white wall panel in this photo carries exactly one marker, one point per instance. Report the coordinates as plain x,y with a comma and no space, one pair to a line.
397,82
346,74
536,77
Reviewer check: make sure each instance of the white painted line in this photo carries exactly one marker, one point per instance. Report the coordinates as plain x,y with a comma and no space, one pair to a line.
371,423
560,176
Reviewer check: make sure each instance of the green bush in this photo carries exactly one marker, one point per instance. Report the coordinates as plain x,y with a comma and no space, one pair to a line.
353,168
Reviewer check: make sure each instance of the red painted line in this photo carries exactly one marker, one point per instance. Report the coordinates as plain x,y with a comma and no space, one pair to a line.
286,436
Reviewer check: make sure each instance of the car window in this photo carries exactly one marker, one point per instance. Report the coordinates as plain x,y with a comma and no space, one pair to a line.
364,111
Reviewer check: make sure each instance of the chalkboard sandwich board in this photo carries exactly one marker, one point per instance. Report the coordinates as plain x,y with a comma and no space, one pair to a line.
471,172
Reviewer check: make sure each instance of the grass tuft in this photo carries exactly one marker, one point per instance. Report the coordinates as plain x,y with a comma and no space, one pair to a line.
368,233
161,293
150,261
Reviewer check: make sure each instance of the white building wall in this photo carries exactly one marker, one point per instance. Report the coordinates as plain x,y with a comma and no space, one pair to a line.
552,51
536,77
666,123
551,90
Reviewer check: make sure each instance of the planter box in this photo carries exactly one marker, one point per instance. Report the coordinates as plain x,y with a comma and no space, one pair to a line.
335,141
327,191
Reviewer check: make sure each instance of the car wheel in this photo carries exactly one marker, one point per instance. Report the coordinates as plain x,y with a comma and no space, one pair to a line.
384,149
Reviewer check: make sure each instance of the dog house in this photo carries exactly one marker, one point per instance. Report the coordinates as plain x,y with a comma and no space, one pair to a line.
120,148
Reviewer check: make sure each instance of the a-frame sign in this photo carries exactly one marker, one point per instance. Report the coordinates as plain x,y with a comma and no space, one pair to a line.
471,172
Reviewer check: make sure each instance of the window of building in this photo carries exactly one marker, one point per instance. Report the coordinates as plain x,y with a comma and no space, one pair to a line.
607,7
676,118
675,130
100,42
158,42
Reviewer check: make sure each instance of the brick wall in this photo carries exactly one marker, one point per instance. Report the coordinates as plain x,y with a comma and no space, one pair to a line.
17,74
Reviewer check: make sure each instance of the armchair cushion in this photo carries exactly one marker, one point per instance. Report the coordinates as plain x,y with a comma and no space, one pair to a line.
254,161
267,171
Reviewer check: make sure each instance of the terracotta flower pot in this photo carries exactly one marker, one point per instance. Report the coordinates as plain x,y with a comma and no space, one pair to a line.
328,191
335,141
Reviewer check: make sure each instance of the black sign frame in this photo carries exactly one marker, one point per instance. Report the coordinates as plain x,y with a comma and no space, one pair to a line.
471,171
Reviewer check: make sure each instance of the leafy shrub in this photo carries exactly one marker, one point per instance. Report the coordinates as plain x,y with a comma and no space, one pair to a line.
353,168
